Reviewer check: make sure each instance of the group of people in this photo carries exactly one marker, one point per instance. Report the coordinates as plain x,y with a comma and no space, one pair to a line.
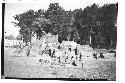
70,55
64,55
100,56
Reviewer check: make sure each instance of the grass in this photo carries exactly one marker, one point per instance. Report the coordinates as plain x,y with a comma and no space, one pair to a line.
29,67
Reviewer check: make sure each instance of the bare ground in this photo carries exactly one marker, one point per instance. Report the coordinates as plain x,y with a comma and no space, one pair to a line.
29,67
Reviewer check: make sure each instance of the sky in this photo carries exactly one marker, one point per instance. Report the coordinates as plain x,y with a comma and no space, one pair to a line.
12,9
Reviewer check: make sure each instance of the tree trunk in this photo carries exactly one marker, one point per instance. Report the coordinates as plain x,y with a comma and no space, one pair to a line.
111,43
90,40
30,37
68,37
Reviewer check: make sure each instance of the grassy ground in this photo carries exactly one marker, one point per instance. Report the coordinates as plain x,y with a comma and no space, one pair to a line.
29,67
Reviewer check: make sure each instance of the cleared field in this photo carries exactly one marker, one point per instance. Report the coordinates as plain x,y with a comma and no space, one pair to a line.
29,67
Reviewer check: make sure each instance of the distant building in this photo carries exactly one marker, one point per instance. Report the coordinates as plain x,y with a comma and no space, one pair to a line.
51,38
47,39
12,42
69,43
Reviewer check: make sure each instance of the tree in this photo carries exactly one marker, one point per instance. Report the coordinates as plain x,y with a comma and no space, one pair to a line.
93,24
19,37
85,21
97,20
24,22
61,21
109,20
41,24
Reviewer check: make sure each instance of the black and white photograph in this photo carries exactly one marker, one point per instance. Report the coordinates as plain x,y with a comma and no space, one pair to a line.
59,41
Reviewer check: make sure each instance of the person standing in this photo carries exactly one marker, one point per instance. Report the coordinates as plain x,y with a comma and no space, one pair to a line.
28,48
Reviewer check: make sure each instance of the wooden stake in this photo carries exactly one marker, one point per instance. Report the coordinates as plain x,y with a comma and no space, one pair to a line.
82,65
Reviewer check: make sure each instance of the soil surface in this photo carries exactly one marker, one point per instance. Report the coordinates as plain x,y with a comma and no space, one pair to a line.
30,67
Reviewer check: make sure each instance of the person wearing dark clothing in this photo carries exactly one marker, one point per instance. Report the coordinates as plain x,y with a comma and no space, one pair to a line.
69,49
28,49
59,47
50,52
53,53
74,64
101,56
80,56
59,60
76,51
95,56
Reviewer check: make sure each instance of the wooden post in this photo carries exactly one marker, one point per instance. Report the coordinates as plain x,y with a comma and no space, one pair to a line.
82,65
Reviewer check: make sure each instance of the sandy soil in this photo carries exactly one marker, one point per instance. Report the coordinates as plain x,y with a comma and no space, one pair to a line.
30,67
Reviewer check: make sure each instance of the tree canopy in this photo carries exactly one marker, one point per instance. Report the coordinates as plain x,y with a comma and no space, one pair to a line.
99,23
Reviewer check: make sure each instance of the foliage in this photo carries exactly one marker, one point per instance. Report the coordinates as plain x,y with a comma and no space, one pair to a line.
19,37
78,25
